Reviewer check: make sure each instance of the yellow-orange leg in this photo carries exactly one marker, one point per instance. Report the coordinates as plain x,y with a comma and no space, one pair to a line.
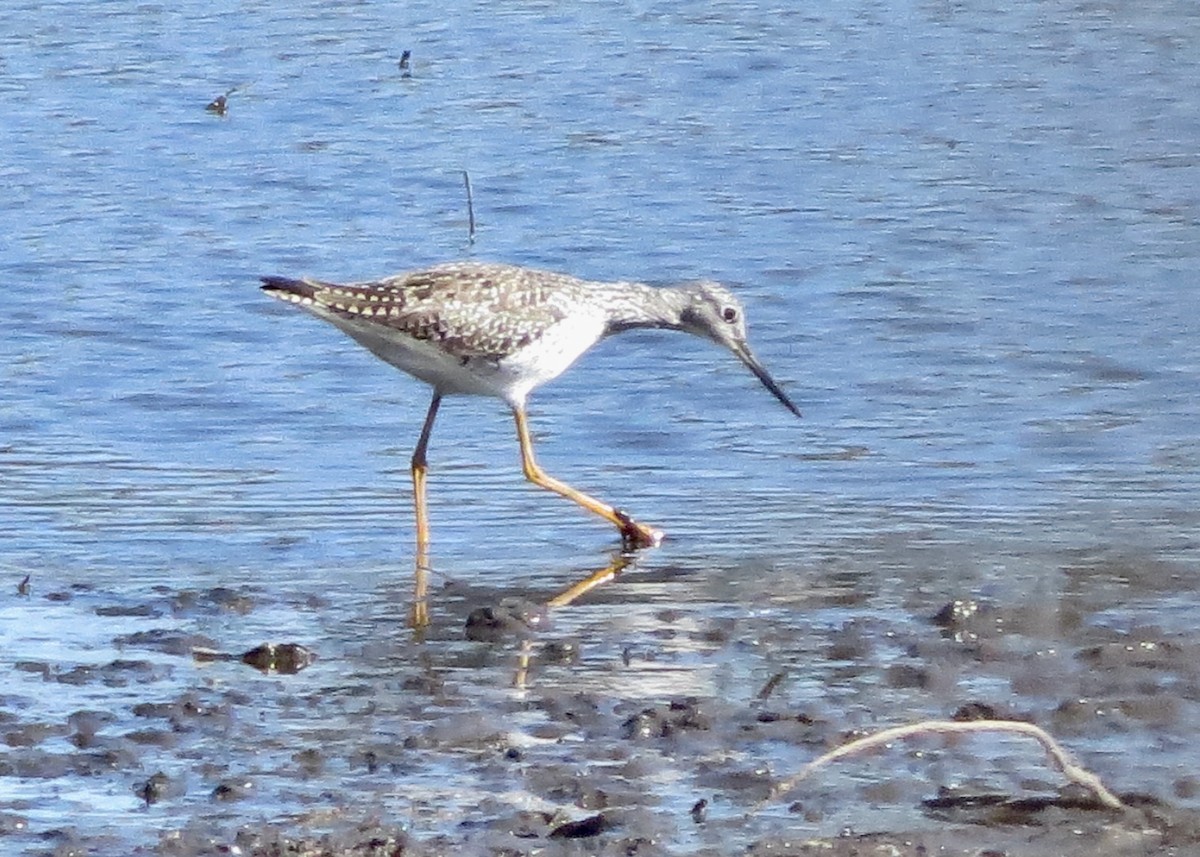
420,606
419,468
633,534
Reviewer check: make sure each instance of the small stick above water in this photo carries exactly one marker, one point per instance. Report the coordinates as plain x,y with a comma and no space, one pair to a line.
470,208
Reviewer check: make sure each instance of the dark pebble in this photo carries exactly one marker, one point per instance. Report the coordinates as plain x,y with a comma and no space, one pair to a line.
283,658
593,825
512,617
154,789
228,790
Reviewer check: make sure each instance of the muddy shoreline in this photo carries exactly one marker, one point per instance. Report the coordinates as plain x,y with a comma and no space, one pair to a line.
522,741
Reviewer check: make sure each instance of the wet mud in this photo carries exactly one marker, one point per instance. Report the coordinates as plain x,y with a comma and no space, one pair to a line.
513,724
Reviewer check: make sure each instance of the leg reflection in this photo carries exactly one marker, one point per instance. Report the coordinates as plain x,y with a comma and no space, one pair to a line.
419,614
618,564
419,618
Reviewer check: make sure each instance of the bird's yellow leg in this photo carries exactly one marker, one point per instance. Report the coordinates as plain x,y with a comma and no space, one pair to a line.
419,468
633,534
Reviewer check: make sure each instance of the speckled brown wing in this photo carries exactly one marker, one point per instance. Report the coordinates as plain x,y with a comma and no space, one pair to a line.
468,311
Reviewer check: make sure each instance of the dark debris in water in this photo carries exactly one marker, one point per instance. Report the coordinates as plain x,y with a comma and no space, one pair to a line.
369,840
219,106
167,640
284,658
158,786
233,789
1002,809
280,658
511,618
582,828
663,721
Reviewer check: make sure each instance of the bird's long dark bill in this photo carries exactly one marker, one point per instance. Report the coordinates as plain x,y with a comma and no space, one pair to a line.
752,363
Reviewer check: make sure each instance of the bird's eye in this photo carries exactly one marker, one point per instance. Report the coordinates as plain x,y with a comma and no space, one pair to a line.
730,314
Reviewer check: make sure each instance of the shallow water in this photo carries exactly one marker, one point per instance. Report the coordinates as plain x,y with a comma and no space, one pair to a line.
967,237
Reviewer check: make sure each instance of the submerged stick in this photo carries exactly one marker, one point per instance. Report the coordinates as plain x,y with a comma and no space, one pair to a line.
1058,756
470,208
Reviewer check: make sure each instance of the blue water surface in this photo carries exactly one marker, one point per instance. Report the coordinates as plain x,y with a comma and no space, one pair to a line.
967,235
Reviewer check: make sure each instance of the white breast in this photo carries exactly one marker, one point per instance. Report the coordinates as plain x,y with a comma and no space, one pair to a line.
510,378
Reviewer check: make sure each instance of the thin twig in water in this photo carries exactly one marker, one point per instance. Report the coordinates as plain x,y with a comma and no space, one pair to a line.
772,684
470,208
1057,754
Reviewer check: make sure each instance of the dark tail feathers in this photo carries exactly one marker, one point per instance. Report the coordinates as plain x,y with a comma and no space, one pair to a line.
287,285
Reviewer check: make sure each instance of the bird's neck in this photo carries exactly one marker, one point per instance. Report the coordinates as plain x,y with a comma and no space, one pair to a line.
630,306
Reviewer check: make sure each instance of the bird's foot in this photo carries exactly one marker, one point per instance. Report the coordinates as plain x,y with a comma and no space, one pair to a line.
635,536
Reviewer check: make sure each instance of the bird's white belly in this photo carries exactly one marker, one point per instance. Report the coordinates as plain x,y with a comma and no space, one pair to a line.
510,378
552,354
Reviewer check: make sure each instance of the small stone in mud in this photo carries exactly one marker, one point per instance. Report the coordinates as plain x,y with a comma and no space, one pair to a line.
561,652
232,789
35,667
593,825
366,840
86,724
169,641
524,824
12,823
1186,787
978,711
77,675
957,613
230,599
907,676
310,762
284,658
154,789
852,642
220,598
1073,714
165,738
1149,654
32,734
371,760
186,708
133,611
511,617
427,684
663,721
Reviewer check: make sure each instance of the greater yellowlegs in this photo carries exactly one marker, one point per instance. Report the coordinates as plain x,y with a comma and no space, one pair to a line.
501,330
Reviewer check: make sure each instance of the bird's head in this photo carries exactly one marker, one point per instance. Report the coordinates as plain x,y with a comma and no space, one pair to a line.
712,311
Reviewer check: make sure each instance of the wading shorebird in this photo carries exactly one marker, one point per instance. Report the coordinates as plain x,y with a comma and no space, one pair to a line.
501,330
